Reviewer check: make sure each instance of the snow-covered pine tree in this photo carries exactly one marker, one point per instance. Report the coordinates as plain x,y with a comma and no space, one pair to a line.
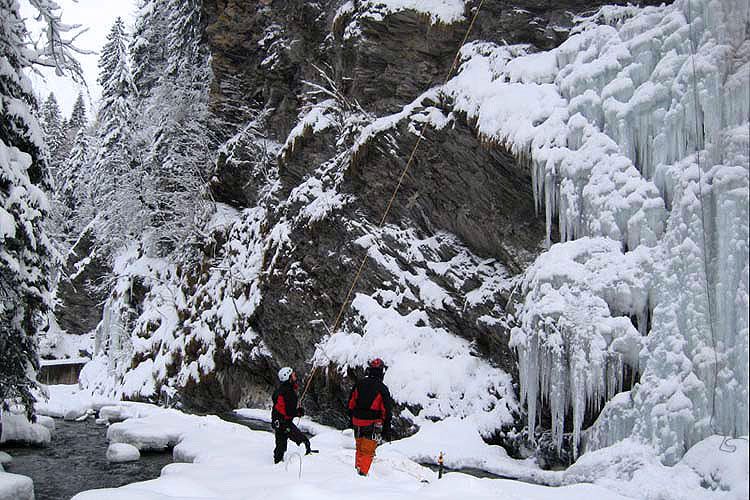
54,132
175,104
25,250
78,115
70,213
114,184
147,48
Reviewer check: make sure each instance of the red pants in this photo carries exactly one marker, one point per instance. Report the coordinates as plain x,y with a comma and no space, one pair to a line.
365,453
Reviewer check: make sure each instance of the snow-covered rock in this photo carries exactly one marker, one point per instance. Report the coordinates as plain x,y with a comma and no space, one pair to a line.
15,487
16,427
723,463
117,413
5,458
66,399
46,421
160,436
72,415
122,452
714,468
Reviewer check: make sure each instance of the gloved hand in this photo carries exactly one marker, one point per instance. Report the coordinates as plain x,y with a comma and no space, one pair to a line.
300,411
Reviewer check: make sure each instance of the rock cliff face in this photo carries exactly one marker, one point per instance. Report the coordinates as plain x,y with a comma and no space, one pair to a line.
476,193
320,105
80,310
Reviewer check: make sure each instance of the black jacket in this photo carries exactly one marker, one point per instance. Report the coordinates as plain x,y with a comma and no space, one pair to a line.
370,402
284,402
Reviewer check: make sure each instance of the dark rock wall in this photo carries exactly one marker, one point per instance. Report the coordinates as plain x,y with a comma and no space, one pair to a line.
80,289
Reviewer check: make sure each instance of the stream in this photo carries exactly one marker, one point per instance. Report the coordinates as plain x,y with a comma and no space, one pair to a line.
75,461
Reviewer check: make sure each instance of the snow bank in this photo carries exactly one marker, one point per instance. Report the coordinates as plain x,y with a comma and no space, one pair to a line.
68,399
721,463
122,452
226,461
463,447
15,487
709,470
304,423
47,422
155,432
428,366
118,413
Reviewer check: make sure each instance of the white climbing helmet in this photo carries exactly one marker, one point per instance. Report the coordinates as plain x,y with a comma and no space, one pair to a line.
285,373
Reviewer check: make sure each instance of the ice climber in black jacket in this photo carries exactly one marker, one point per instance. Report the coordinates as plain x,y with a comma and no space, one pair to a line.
285,408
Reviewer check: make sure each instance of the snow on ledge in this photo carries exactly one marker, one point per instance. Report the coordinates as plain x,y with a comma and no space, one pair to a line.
58,362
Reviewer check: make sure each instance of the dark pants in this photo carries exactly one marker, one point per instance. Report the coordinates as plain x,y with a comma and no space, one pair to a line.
284,431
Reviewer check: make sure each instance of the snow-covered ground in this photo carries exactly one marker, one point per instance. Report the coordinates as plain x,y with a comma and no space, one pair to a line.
215,459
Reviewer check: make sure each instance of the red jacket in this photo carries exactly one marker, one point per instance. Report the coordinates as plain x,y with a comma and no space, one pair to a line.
370,402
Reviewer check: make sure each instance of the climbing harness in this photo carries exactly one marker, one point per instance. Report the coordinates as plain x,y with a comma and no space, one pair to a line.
420,136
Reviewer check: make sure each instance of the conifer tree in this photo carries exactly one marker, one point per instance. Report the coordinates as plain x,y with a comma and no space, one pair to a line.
25,250
78,115
114,182
169,77
54,132
147,49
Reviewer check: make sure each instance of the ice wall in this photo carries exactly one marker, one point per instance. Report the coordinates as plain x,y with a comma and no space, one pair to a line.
636,133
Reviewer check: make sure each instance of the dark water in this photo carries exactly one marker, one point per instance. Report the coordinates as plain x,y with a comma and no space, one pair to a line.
76,461
471,471
252,423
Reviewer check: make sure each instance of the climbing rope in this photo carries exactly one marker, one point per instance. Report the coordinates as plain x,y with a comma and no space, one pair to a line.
703,214
344,304
289,460
725,445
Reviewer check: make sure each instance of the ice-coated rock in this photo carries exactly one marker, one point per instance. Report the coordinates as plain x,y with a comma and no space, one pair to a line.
16,427
15,487
122,452
72,415
116,413
141,438
45,421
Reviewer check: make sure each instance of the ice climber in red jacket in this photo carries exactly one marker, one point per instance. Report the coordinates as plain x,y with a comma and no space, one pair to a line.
370,408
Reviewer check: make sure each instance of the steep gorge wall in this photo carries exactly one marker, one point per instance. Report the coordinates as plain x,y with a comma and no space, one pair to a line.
310,173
